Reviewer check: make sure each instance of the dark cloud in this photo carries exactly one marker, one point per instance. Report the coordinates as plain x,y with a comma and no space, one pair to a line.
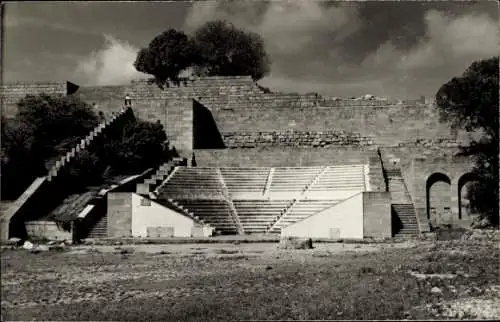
396,49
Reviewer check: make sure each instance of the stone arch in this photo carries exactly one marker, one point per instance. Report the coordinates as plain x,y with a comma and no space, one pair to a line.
431,180
462,181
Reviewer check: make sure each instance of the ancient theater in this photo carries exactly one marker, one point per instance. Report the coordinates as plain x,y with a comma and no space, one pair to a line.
253,161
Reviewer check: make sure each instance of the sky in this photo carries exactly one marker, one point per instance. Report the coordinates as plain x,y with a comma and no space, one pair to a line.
394,49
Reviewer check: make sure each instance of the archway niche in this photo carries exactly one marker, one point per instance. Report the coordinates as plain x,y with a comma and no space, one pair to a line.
464,182
438,197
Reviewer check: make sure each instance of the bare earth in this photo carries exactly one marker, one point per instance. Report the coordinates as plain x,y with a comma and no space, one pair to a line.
227,282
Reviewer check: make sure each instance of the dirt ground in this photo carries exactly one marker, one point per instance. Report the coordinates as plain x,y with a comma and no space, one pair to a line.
227,282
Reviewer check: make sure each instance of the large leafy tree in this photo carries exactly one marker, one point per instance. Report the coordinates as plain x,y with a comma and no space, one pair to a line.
167,55
43,128
471,102
139,145
46,127
217,48
228,51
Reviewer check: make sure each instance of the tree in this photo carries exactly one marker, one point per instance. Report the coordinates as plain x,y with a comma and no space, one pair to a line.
228,51
44,127
471,102
139,146
166,56
47,127
217,48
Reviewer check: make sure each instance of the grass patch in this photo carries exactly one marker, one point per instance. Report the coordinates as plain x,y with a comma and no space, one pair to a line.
305,286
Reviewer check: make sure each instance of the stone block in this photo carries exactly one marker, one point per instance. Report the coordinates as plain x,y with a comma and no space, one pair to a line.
143,188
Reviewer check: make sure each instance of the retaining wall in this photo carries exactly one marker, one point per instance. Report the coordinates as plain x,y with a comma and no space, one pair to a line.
47,230
283,157
11,94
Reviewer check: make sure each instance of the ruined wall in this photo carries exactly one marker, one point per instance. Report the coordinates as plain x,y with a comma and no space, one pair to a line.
323,139
388,125
37,230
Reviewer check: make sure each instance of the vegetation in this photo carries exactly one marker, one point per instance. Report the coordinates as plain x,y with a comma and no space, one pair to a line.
46,127
471,102
217,48
167,55
202,283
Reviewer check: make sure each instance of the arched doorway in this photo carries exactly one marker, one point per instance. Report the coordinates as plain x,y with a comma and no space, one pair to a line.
438,196
464,182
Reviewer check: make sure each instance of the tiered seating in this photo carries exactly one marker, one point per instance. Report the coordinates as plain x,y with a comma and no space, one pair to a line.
192,181
301,210
293,179
216,213
240,180
342,177
257,215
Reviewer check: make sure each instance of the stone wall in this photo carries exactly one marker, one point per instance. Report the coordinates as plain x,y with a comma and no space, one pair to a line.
49,230
457,169
180,125
283,157
107,99
323,139
377,215
119,214
11,94
388,125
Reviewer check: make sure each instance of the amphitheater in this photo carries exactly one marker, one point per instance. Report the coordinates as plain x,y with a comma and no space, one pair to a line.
253,161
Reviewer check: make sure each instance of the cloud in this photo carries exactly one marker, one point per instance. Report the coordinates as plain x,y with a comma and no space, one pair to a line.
312,45
13,21
449,43
296,33
110,65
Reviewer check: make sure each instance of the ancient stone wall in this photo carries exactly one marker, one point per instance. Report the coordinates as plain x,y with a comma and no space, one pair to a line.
107,99
11,94
119,214
283,156
377,214
388,126
322,139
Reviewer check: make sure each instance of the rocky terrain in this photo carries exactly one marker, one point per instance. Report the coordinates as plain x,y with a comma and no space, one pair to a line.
225,282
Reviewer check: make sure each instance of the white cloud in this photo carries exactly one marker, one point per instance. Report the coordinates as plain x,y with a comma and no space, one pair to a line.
110,65
450,42
305,43
287,28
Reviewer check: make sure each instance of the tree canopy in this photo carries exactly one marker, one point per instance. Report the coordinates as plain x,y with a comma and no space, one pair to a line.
167,55
226,51
471,102
217,48
46,127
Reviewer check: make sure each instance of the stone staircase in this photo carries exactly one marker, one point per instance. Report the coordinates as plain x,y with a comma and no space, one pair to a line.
162,174
228,199
66,159
99,229
276,226
405,223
